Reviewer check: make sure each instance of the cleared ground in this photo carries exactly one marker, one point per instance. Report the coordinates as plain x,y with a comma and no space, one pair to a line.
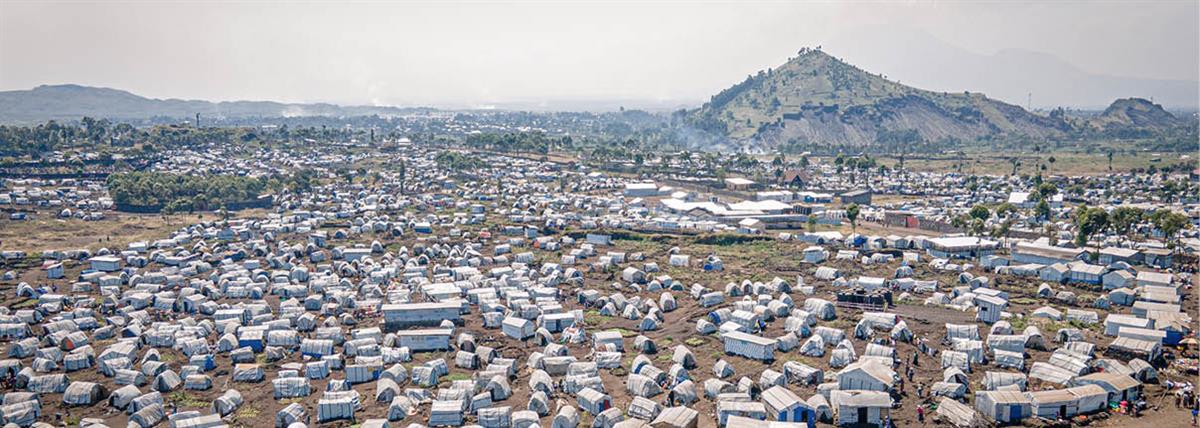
1066,163
48,232
755,259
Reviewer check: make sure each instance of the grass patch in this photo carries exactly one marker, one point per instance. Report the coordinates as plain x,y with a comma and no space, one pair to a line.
802,360
1084,326
1024,301
664,357
594,318
1054,326
458,376
626,333
248,411
183,399
25,304
694,341
841,323
1019,323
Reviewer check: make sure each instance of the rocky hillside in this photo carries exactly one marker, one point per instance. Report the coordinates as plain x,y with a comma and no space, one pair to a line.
1135,113
816,97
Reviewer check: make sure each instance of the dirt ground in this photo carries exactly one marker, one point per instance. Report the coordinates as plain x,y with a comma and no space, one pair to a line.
758,260
48,232
1067,162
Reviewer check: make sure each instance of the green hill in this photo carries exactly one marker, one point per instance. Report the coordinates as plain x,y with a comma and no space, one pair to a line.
816,97
1136,113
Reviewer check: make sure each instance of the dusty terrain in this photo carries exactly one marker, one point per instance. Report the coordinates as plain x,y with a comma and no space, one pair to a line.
758,260
48,232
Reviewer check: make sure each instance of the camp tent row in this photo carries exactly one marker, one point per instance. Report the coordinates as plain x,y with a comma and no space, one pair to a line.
212,282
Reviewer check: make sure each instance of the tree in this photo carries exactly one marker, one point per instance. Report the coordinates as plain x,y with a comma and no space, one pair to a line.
1046,190
852,212
1088,222
812,223
1042,210
1110,155
1168,222
959,221
1052,160
1003,210
980,212
1123,219
1003,230
804,161
976,226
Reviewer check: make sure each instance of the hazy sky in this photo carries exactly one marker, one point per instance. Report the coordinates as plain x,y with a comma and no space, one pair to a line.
486,53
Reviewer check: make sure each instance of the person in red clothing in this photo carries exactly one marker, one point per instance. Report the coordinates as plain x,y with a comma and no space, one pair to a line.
921,414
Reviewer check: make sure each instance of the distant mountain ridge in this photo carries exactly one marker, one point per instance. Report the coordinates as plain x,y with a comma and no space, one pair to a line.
72,102
815,97
1013,75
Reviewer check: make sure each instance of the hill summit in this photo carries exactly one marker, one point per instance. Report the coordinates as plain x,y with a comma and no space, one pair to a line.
1135,112
815,97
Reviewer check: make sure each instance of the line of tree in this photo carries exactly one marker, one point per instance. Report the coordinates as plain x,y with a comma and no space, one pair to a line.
178,193
1092,220
459,162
